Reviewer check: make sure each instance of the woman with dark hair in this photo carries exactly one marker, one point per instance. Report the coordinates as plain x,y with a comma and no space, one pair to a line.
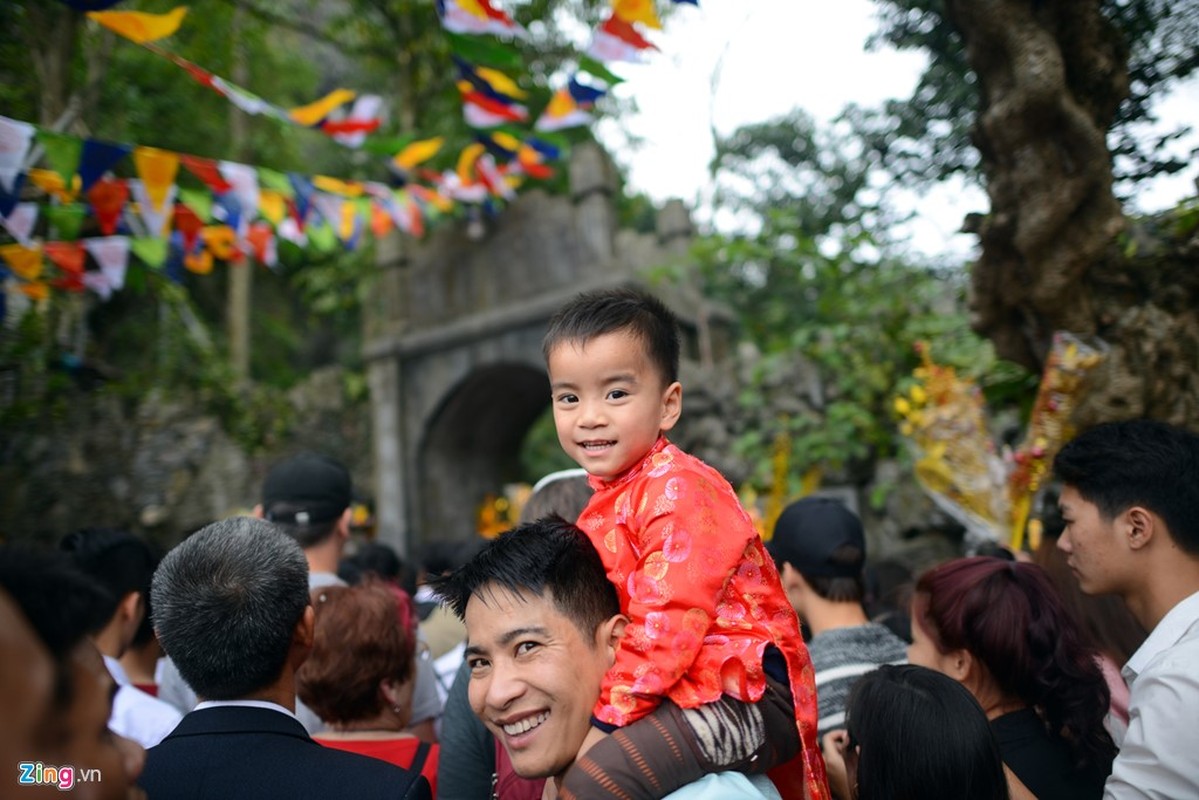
999,628
915,734
360,674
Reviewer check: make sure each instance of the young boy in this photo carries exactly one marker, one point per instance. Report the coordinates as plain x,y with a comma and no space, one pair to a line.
712,673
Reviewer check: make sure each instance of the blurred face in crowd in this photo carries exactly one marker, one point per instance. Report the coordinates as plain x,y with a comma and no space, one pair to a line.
87,742
26,682
534,677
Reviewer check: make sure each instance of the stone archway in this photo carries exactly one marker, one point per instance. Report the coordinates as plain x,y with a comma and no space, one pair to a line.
472,443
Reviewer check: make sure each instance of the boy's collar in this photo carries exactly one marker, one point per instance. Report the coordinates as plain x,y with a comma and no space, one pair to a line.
597,483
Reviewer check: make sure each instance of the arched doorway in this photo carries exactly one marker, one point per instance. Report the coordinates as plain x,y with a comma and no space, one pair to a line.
472,446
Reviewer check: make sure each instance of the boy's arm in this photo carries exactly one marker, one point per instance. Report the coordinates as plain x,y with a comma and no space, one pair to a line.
692,537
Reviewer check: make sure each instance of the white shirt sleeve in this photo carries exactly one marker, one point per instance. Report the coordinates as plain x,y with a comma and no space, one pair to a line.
1158,756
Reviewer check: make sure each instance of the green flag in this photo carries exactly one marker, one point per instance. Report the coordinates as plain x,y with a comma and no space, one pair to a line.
66,220
62,153
152,252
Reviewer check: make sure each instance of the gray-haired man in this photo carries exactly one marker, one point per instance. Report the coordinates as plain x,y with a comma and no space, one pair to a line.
231,608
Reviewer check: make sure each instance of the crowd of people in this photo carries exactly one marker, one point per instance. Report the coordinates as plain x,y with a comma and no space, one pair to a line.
631,637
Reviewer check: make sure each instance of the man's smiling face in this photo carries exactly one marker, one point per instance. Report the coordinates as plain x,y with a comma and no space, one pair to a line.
534,677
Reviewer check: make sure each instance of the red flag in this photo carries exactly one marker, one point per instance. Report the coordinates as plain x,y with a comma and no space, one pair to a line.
206,170
67,256
188,223
108,197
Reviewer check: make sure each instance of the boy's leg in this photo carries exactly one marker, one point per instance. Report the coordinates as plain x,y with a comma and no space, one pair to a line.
672,747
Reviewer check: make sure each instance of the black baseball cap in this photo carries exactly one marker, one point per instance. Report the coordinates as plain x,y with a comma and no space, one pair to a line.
810,530
306,489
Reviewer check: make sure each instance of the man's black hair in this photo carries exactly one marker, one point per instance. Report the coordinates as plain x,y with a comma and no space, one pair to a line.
547,555
115,558
1138,462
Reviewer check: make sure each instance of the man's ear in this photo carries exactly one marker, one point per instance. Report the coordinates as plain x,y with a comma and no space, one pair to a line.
305,632
343,524
672,406
1142,525
258,512
609,634
132,608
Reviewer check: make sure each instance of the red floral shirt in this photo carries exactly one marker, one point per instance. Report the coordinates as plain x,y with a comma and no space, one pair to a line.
702,595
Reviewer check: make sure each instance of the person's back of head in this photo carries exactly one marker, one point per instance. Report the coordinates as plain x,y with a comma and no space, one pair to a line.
548,556
63,604
227,601
824,542
1138,462
564,493
364,636
119,561
921,735
1010,619
306,496
372,560
593,314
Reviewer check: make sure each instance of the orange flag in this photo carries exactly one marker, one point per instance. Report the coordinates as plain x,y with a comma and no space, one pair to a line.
157,169
26,262
138,26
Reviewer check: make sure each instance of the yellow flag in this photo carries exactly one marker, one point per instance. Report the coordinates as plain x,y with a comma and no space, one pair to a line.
337,186
314,112
37,291
272,205
466,160
506,140
637,11
25,261
199,263
140,27
157,169
52,183
221,241
418,152
501,82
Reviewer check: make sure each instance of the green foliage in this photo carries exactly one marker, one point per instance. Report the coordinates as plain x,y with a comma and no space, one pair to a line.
928,135
540,452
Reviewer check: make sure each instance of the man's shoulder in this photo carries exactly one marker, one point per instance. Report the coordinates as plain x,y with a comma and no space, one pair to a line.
242,745
727,786
857,644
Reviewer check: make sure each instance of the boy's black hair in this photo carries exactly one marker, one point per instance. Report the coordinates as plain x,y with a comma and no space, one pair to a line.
550,556
1138,462
602,311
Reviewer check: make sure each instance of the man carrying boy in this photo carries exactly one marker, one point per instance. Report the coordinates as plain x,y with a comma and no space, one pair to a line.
712,652
1130,502
544,624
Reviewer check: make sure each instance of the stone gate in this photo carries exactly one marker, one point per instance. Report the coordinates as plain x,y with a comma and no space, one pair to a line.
454,343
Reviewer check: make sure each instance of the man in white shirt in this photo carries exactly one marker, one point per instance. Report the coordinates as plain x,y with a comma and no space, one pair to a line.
123,565
1130,501
233,612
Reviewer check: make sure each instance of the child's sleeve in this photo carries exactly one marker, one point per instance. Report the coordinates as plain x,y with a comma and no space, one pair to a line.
691,538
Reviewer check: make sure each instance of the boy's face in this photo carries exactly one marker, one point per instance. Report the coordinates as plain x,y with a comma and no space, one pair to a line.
610,402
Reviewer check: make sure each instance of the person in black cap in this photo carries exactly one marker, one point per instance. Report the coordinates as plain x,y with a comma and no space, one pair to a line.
308,496
820,550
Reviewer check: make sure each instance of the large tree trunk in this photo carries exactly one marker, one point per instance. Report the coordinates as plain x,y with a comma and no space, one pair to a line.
1051,76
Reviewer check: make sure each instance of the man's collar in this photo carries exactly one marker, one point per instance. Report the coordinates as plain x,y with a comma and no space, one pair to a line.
1173,626
245,704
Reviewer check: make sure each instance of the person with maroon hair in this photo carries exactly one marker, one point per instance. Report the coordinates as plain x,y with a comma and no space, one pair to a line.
1000,629
360,674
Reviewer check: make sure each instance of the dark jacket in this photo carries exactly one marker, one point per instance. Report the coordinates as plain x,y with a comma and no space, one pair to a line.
234,752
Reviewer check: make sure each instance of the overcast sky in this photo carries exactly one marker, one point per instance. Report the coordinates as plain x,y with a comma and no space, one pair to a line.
732,62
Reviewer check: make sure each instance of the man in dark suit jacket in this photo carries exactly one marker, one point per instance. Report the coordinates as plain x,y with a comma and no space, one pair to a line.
231,608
